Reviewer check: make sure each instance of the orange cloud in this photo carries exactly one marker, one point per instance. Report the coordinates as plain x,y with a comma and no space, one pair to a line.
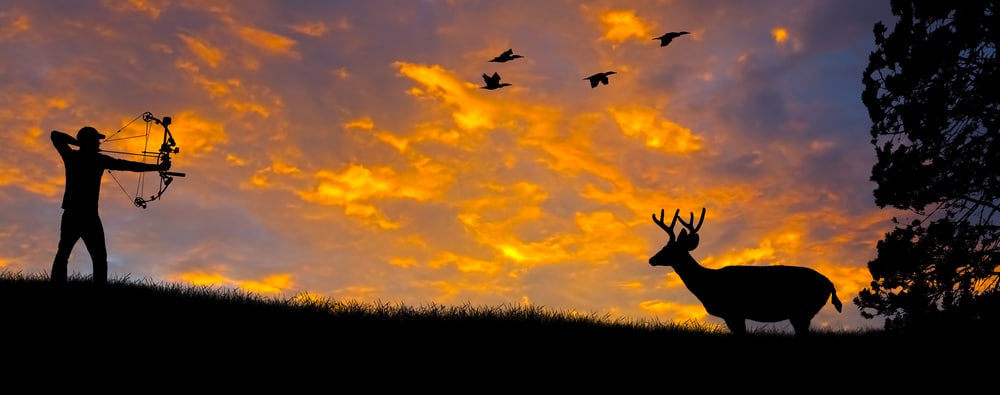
214,88
233,93
570,157
434,78
13,23
511,203
465,264
783,37
50,186
764,254
195,137
675,311
659,134
312,29
57,103
780,34
187,66
33,139
473,111
781,246
495,220
200,278
312,298
358,185
426,132
364,123
153,9
280,167
357,292
269,42
212,56
343,24
23,114
340,73
848,279
235,160
604,236
357,182
673,280
421,133
403,262
498,214
452,290
621,25
271,284
248,107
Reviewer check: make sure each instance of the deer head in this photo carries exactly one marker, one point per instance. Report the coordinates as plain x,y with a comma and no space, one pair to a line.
679,245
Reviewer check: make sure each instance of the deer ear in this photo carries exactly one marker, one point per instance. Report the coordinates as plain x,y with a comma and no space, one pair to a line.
683,234
692,242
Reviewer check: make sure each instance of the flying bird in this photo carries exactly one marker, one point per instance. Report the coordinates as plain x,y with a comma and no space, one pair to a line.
601,78
506,56
493,82
667,38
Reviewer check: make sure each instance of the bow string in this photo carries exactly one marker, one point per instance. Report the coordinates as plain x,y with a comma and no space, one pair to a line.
167,147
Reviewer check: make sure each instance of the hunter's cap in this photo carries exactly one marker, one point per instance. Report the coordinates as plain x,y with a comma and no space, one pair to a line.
88,133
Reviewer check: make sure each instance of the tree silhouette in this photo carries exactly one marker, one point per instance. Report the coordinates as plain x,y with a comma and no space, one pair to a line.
932,94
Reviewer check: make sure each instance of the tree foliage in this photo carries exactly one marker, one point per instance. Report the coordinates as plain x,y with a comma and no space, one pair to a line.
932,92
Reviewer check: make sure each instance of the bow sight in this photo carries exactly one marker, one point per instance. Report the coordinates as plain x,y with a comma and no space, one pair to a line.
167,147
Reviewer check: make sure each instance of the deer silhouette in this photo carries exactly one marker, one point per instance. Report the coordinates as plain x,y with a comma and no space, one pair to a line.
739,293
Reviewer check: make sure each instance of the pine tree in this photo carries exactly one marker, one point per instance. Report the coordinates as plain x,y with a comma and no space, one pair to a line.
932,94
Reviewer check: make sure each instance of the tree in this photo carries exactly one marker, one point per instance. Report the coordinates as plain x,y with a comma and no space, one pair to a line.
932,92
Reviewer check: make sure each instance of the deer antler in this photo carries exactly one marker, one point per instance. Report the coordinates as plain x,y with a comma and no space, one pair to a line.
670,229
687,225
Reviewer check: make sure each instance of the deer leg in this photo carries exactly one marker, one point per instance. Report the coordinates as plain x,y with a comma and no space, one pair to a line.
801,326
736,325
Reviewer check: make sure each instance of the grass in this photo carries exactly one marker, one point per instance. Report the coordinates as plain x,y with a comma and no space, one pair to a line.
155,329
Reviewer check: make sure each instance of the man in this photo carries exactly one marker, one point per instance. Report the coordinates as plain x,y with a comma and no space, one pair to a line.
84,168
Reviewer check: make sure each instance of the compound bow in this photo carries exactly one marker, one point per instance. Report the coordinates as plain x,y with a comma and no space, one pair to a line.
167,147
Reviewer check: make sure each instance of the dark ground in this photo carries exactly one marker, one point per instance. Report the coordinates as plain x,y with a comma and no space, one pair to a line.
129,335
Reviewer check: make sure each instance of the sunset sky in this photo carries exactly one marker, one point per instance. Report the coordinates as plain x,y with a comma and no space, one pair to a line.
345,150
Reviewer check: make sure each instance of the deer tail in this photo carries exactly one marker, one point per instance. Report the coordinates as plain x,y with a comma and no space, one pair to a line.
834,299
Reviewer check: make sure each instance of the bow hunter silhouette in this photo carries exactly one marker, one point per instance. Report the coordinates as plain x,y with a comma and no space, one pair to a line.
85,167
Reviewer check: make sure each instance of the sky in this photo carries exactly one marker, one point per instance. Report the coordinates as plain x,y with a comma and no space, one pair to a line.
344,149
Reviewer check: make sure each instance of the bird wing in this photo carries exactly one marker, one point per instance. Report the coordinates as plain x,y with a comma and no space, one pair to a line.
508,52
671,35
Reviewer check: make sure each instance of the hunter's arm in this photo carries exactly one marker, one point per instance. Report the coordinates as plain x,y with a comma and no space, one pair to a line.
127,165
62,141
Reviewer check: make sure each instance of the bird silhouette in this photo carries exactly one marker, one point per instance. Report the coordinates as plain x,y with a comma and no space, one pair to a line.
667,38
493,82
601,78
506,56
